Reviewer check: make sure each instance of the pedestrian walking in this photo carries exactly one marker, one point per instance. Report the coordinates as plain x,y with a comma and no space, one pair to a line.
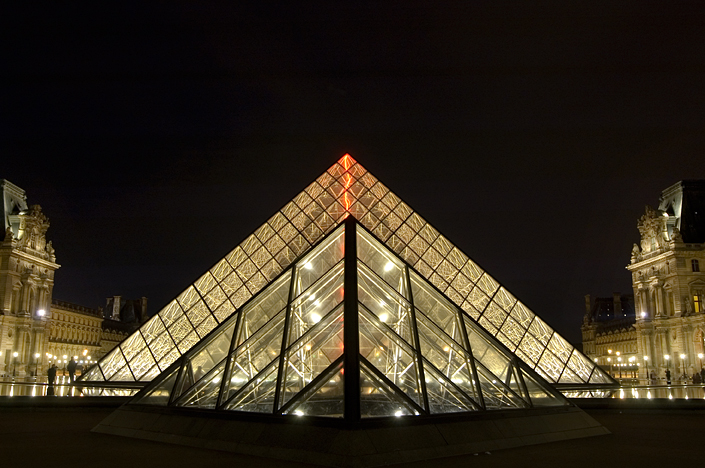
71,367
668,376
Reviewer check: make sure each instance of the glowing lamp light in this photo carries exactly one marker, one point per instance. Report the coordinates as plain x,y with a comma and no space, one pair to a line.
383,317
643,314
315,318
15,354
682,356
388,266
308,266
308,347
299,413
398,413
446,349
41,312
36,355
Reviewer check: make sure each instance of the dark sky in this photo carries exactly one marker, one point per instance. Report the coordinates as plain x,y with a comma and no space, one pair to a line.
157,136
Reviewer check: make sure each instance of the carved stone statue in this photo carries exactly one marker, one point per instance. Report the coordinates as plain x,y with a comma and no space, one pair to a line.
8,234
676,235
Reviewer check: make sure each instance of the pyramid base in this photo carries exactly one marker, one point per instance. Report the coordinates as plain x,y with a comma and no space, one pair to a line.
366,444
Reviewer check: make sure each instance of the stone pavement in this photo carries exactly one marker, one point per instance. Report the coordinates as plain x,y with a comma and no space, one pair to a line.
61,437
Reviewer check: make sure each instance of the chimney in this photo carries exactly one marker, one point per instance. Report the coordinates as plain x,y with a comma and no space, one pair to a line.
143,312
617,301
117,304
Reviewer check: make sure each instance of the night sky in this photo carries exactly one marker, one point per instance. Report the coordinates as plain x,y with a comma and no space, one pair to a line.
157,136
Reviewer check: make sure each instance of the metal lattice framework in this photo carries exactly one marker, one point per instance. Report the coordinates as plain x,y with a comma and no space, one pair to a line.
350,331
345,189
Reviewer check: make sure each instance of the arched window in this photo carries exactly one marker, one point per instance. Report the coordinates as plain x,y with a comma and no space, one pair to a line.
695,265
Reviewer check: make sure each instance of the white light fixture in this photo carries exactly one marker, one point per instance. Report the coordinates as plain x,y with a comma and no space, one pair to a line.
388,266
41,312
315,318
15,354
308,265
383,317
398,413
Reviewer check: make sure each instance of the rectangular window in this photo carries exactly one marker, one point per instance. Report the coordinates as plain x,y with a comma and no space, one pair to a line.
697,303
695,265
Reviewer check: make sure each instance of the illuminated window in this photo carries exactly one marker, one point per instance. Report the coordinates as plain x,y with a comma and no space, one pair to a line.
695,265
698,302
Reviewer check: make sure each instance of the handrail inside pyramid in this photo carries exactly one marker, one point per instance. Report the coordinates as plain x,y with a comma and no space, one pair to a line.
414,351
346,188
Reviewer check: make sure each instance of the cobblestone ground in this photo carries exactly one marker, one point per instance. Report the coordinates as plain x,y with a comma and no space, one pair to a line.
62,438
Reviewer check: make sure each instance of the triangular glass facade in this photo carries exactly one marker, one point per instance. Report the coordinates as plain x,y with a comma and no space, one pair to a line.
345,189
349,331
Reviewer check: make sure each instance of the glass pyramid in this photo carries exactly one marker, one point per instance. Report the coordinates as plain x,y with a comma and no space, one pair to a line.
349,331
345,189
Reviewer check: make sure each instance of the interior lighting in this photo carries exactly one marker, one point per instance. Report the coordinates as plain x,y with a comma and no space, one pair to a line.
308,347
388,266
398,413
41,312
308,266
315,318
383,317
446,349
299,413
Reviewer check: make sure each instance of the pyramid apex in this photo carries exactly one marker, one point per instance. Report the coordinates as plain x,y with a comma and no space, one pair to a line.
347,161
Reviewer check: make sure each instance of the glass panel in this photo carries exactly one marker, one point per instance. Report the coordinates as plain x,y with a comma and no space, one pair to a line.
325,399
133,345
317,301
255,354
152,329
443,397
263,307
141,363
495,393
483,351
540,396
258,395
381,261
449,357
159,395
551,365
390,355
384,303
112,363
435,307
312,354
317,263
568,376
205,393
214,352
377,399
580,365
93,374
599,377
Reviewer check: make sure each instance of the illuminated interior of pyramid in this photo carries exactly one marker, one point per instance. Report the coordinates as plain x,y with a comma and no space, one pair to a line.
350,330
346,189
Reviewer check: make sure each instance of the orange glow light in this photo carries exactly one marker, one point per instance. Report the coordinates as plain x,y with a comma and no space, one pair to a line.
347,161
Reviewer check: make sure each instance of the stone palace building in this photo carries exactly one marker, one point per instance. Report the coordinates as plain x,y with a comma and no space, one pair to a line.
35,329
665,326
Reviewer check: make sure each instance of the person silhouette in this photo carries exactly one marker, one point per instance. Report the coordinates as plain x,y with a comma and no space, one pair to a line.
71,367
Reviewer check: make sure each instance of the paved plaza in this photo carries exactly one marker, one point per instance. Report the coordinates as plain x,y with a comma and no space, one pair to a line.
60,436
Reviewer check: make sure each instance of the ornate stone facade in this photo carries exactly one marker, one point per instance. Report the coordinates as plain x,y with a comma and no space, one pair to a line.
36,330
668,279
